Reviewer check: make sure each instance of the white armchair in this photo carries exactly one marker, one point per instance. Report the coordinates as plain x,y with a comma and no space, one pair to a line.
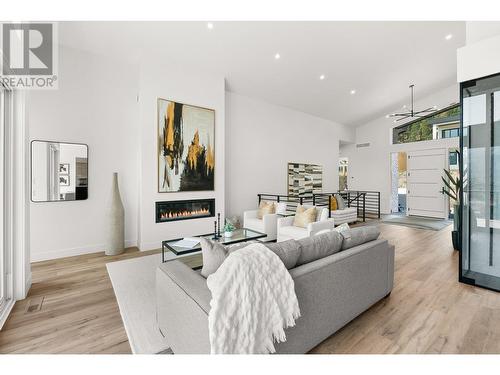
266,225
287,231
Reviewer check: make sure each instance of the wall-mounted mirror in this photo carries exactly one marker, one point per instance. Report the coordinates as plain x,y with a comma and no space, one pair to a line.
59,171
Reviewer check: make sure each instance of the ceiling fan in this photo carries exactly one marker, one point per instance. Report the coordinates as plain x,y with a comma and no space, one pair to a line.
412,112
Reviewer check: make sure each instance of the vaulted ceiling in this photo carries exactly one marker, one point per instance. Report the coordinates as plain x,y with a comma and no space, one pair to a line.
378,60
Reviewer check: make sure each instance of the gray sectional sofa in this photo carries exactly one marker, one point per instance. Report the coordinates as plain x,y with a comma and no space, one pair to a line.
331,292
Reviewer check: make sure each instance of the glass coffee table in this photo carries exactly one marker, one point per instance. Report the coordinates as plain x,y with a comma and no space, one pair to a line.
239,235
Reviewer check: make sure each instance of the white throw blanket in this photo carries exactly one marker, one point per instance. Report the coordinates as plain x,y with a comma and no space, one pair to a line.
253,300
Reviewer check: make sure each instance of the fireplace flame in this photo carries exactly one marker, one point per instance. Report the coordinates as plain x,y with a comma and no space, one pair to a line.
186,213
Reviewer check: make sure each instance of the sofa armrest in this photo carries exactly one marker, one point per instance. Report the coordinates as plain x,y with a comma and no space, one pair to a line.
317,226
270,225
251,214
183,303
286,221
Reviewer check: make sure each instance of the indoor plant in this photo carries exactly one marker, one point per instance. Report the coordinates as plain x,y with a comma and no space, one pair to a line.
228,229
452,189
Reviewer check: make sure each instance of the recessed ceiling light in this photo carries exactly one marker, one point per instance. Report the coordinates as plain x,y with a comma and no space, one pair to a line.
322,77
449,36
210,25
387,116
353,92
277,56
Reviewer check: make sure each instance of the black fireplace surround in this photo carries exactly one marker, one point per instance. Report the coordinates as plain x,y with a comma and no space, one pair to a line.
184,209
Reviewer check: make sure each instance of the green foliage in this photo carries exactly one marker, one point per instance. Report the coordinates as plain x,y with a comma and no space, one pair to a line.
418,131
452,184
228,226
421,130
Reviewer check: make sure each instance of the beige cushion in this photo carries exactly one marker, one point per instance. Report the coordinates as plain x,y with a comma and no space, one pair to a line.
266,208
303,216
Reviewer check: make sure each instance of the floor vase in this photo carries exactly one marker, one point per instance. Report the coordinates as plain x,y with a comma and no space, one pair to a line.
115,221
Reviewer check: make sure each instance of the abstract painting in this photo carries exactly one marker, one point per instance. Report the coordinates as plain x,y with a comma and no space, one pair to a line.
304,179
186,147
64,168
64,180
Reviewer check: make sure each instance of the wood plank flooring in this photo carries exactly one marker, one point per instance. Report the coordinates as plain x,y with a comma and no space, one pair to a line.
71,307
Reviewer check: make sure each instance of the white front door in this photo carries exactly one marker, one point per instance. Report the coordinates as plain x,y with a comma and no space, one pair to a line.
424,185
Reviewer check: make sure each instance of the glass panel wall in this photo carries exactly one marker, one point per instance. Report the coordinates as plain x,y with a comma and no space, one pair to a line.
480,144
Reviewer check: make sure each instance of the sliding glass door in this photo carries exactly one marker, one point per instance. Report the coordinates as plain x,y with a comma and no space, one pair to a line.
3,253
480,144
6,288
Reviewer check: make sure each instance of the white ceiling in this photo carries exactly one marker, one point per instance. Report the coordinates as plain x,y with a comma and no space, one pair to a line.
377,59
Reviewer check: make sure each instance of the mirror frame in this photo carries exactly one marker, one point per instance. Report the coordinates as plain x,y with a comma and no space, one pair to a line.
31,169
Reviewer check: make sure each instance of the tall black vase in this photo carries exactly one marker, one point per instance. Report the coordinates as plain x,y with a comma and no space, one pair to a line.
455,238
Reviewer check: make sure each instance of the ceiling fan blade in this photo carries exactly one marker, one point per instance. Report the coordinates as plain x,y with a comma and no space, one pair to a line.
403,118
407,114
430,109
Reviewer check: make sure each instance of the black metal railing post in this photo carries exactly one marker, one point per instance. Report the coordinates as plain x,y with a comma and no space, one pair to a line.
364,207
378,204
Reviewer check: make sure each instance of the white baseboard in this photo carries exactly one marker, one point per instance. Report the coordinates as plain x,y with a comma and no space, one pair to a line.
145,246
63,253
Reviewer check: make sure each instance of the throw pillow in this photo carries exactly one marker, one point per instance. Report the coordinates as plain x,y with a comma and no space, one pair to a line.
280,208
359,236
344,230
213,254
319,246
333,203
303,217
340,202
287,251
266,208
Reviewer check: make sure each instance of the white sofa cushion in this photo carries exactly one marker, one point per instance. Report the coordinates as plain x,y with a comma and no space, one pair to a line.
255,224
293,232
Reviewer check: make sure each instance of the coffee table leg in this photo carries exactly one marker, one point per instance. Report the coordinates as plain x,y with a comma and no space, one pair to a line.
162,253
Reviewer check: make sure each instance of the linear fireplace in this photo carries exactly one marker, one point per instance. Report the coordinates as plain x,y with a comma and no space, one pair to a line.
184,210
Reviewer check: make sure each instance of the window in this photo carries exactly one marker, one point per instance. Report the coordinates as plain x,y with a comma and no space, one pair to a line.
423,128
449,133
453,159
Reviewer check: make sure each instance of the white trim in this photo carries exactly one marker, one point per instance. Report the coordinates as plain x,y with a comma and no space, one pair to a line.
20,197
4,314
5,196
146,246
64,253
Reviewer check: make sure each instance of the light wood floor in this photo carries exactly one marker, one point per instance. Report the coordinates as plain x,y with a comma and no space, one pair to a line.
427,312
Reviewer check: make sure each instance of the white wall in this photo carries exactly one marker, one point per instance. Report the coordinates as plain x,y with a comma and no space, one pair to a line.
478,30
370,167
96,104
262,138
481,56
189,88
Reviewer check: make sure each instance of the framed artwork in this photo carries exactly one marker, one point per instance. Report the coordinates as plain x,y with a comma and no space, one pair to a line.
304,179
186,147
64,168
64,180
